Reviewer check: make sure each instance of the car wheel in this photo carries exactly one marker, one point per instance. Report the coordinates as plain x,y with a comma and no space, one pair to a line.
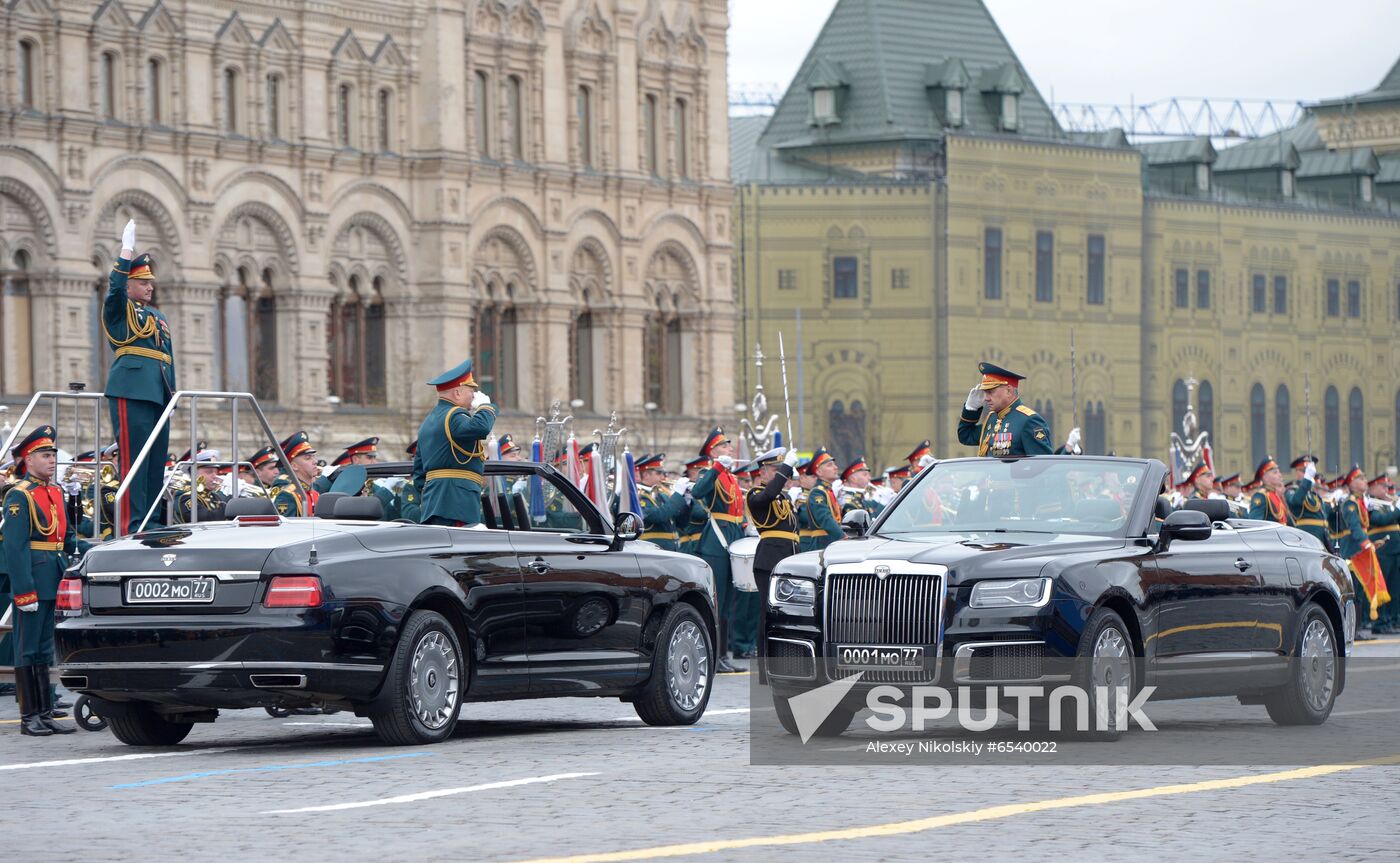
834,725
422,692
142,726
682,671
1311,691
1104,659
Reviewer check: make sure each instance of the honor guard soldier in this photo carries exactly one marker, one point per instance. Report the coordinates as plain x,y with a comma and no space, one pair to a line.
995,421
409,502
447,469
142,378
286,496
915,458
717,491
509,450
776,521
823,511
1357,521
204,497
1309,509
898,476
1386,539
1268,503
693,518
1200,483
267,468
37,540
1230,487
856,491
660,508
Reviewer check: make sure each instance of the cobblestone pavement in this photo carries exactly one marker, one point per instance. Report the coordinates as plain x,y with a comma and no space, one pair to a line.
531,779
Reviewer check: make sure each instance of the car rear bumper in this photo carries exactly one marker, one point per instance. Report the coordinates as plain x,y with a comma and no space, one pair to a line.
226,685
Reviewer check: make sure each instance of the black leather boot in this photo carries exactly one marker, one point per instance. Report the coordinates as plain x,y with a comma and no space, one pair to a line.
46,710
29,722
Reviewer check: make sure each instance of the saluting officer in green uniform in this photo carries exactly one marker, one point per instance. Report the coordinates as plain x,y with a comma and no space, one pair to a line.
285,495
447,469
1309,509
995,421
37,540
408,502
142,379
660,508
823,512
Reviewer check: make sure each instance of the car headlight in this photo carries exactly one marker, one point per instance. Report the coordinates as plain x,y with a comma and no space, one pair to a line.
1033,592
786,590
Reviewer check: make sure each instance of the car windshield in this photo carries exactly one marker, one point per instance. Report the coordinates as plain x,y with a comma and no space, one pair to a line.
1035,495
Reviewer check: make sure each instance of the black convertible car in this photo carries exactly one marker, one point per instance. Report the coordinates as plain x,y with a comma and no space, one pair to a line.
396,621
1062,569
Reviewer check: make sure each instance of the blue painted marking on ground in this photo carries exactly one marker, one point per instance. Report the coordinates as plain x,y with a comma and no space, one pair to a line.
269,768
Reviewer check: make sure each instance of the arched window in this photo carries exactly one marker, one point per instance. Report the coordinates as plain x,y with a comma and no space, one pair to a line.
356,331
15,325
515,114
155,93
662,362
1356,426
384,136
262,326
274,107
495,351
344,105
1205,412
230,98
1258,424
1179,397
681,122
481,100
650,151
1283,424
107,86
581,367
27,68
583,110
1332,429
1095,429
847,431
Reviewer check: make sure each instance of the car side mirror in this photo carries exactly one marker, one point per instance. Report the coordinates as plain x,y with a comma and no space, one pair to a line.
1185,524
626,528
856,523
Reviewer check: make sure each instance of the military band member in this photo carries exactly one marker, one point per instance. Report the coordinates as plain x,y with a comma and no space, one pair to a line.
823,511
1234,494
37,540
204,496
995,421
142,378
916,457
509,450
452,449
1309,509
1386,539
1200,483
1357,521
776,521
1269,502
660,508
856,492
717,491
693,519
286,496
364,453
266,468
409,503
897,476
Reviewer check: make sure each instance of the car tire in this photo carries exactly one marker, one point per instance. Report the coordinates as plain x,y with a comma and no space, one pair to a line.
1105,658
141,726
422,693
1311,692
834,725
682,670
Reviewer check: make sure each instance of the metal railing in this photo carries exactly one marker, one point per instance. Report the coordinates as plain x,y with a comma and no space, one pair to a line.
194,397
77,397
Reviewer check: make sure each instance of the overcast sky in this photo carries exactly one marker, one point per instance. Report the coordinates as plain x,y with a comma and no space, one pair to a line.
1114,51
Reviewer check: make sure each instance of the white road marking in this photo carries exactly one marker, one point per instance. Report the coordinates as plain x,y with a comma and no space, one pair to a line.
1366,712
1370,668
134,757
428,795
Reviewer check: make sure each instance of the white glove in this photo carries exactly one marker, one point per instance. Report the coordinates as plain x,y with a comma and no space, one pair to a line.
1310,472
479,399
129,236
927,461
726,462
33,606
1072,442
792,458
682,485
976,398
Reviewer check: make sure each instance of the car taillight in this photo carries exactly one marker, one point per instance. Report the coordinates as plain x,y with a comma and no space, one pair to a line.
254,520
70,595
293,591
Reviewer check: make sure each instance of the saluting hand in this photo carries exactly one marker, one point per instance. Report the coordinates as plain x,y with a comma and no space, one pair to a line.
792,458
129,238
976,398
480,399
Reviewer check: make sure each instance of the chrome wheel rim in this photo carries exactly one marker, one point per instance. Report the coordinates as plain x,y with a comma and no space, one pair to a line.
687,666
433,683
1317,665
1111,671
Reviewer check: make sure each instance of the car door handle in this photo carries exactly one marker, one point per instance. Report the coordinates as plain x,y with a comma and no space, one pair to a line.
1241,564
539,567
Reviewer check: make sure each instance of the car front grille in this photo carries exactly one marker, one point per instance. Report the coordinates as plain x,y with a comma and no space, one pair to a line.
1007,662
790,658
897,609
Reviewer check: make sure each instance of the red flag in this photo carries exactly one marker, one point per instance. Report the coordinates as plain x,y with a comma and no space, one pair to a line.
1368,571
1208,457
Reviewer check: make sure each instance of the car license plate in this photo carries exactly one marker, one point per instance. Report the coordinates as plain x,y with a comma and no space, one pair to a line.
863,656
170,591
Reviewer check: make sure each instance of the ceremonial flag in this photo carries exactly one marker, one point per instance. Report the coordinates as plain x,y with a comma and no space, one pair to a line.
631,501
571,462
1368,571
597,481
536,484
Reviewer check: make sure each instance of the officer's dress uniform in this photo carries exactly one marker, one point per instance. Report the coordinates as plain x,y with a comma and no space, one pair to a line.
1385,536
408,502
369,446
37,539
717,491
1309,511
776,521
692,519
139,384
447,468
1357,522
286,495
207,502
660,508
1266,505
1015,430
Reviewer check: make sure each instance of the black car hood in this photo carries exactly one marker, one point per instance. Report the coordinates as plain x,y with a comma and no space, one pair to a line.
968,555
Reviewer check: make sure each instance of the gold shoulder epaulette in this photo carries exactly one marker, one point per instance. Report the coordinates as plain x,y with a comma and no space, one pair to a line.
24,484
1025,410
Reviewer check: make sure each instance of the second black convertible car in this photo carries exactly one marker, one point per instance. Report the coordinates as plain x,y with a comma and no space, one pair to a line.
396,621
1063,569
